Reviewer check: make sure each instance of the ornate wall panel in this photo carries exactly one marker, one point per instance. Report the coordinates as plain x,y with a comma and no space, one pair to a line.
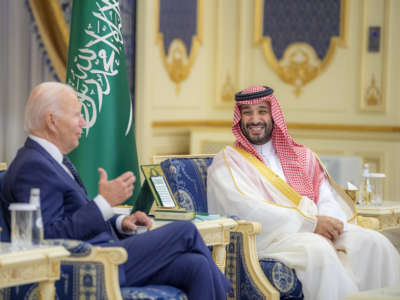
179,35
227,51
373,66
299,38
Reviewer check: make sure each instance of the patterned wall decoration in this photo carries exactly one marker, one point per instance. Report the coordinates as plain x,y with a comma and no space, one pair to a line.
373,95
179,34
299,38
228,90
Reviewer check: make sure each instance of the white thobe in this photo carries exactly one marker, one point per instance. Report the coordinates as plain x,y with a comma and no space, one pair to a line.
235,187
327,205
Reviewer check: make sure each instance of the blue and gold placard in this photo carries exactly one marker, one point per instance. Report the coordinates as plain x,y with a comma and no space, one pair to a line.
299,37
179,34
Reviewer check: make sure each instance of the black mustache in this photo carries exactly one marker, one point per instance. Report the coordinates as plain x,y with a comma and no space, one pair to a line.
256,124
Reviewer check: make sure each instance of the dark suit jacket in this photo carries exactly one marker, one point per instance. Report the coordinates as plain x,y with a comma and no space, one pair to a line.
68,213
66,210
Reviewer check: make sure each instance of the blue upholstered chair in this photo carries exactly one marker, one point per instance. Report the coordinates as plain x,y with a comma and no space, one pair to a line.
251,278
89,273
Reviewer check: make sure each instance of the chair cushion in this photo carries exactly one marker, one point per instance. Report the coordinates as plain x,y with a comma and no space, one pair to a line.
154,292
187,178
282,278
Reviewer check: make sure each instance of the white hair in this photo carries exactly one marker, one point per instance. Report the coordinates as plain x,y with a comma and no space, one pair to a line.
44,98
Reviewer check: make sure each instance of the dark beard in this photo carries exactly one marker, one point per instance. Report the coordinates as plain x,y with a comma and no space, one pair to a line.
262,139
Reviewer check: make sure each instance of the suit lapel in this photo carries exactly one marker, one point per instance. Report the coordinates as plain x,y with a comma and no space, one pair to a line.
59,169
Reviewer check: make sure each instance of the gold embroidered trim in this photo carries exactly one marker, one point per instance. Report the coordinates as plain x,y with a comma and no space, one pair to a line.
272,177
263,200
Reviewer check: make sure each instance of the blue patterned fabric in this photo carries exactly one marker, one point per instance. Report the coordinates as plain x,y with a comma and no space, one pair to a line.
313,22
283,278
153,292
187,178
178,20
86,281
242,286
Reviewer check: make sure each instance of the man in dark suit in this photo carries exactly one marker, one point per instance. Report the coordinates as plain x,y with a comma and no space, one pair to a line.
174,254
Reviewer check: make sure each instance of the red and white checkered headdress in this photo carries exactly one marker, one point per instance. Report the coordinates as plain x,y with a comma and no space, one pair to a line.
299,164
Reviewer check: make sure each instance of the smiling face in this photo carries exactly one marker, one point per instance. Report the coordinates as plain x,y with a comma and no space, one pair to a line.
256,122
68,123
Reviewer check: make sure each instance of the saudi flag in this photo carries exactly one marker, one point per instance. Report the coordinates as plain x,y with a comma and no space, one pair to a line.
96,69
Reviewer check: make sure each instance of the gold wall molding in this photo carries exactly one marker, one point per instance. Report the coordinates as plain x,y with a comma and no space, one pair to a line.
373,70
373,95
305,126
300,63
177,61
228,18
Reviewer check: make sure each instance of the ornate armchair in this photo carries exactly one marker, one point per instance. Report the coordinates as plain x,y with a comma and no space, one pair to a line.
252,278
90,272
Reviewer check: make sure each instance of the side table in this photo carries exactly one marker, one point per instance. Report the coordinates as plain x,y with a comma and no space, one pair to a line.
39,264
388,216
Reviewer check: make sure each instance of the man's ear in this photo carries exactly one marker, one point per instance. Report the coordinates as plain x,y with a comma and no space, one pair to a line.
50,122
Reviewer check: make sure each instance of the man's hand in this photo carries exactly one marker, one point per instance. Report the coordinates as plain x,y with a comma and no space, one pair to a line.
118,190
329,227
129,223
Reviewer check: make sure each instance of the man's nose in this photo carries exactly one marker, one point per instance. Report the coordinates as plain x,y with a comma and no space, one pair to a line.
82,122
255,118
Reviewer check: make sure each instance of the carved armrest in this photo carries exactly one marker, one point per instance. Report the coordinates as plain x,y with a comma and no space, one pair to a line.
89,271
245,273
92,272
97,268
368,222
103,261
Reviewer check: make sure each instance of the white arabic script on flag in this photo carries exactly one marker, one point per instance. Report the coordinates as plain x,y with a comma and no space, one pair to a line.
98,61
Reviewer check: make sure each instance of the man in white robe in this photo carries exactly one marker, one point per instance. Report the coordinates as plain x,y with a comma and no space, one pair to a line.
308,222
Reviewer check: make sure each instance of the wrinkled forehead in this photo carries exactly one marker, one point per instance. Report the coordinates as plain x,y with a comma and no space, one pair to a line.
69,99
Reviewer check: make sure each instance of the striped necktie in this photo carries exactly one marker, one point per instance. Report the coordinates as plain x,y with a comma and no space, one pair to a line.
66,162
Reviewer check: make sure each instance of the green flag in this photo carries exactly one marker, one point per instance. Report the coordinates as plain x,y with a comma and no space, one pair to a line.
96,69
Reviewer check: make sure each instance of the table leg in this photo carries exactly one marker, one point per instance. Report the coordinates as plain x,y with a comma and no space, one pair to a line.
219,256
46,290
